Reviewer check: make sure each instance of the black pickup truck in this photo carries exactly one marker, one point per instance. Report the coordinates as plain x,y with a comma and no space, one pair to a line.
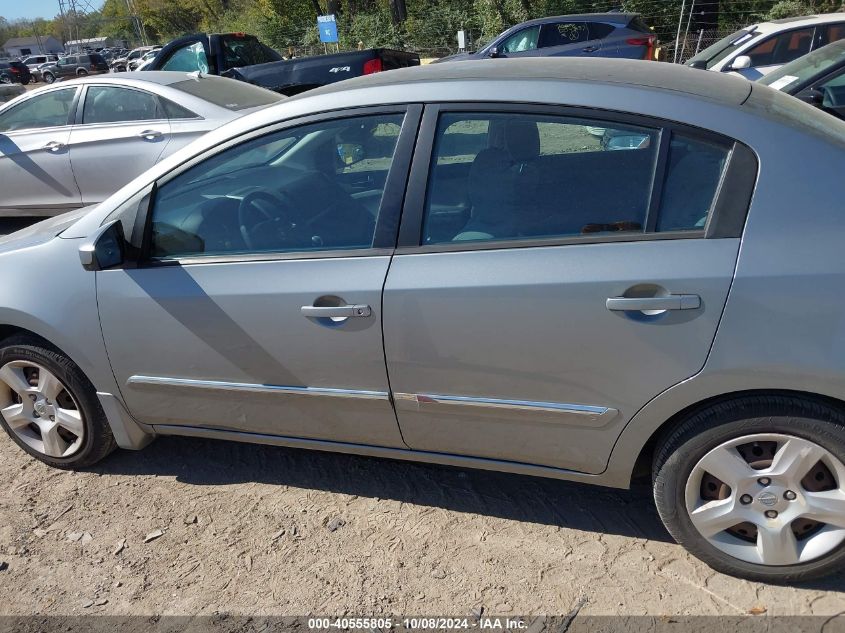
243,57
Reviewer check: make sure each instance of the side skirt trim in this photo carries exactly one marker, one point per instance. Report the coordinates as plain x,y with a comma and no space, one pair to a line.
214,385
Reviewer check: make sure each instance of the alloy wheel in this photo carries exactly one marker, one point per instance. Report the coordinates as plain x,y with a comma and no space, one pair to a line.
769,499
40,410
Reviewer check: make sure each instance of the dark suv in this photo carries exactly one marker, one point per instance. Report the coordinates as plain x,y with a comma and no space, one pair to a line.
75,66
621,35
14,72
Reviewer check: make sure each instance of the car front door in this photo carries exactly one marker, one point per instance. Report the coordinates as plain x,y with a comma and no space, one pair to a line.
258,308
774,52
534,304
120,133
35,168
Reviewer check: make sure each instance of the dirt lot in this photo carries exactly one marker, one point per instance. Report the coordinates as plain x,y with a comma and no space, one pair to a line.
262,530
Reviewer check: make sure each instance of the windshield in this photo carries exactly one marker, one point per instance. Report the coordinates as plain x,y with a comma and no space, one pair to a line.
226,93
796,73
717,52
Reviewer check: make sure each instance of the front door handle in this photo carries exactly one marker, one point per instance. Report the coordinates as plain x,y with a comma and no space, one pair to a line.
150,135
643,304
336,312
590,49
54,146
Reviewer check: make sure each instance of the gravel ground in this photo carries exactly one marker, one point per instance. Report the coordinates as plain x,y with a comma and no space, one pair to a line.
262,530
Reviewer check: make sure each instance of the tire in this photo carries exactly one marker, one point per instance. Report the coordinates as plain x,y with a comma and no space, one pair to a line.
48,77
97,440
25,83
4,79
681,453
81,72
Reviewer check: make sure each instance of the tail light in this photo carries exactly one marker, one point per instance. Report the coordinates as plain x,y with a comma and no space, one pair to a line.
648,41
372,66
15,70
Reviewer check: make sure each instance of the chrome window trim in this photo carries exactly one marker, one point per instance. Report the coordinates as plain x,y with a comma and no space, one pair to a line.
578,414
215,385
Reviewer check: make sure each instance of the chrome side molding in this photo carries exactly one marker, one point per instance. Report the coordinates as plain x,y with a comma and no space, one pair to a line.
215,385
577,414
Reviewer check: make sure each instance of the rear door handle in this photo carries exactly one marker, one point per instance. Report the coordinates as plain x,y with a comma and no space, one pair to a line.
670,302
336,312
150,135
54,146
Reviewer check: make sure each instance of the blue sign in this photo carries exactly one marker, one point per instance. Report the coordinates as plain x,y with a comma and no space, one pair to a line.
327,25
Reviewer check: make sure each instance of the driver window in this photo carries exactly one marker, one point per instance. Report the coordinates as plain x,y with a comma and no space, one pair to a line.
46,110
314,187
188,59
524,40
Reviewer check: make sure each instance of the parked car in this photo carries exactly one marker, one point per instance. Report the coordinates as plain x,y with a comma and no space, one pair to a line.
75,66
14,72
761,48
10,91
420,268
34,62
121,64
136,64
623,35
241,56
817,78
76,143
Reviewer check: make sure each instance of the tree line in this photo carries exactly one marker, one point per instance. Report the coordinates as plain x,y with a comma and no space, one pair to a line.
429,26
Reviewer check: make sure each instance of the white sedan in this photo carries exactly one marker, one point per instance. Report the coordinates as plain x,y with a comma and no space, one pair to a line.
76,142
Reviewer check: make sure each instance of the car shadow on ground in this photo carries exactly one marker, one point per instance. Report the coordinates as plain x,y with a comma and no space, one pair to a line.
519,498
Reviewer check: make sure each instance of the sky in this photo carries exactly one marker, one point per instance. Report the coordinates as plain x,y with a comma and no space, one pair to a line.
14,9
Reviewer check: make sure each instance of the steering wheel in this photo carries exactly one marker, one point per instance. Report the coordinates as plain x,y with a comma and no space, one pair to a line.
275,213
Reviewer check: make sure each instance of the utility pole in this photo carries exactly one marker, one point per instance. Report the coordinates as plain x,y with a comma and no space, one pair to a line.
678,36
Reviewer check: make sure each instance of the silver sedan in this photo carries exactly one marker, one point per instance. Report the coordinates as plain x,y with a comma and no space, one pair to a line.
77,142
444,264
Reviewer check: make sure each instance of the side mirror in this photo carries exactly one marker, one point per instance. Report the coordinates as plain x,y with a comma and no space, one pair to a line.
700,64
740,63
494,52
105,249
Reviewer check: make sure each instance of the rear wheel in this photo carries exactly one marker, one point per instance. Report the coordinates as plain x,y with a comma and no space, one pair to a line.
5,79
756,488
49,408
81,72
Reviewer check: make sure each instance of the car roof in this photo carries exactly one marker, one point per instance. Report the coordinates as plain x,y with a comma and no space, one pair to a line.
585,17
785,24
635,73
161,77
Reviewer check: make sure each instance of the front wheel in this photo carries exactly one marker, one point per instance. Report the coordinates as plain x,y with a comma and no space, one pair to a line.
5,79
49,408
48,78
756,488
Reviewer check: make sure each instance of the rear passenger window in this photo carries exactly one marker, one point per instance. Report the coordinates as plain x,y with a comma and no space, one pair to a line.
109,104
693,172
508,176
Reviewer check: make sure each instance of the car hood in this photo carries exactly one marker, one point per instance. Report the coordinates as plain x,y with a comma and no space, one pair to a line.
459,57
41,232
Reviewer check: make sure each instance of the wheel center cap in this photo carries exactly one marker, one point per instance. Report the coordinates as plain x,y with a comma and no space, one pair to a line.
41,407
767,498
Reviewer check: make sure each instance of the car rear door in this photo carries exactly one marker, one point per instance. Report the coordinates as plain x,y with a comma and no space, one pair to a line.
536,302
258,309
569,39
35,169
119,133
